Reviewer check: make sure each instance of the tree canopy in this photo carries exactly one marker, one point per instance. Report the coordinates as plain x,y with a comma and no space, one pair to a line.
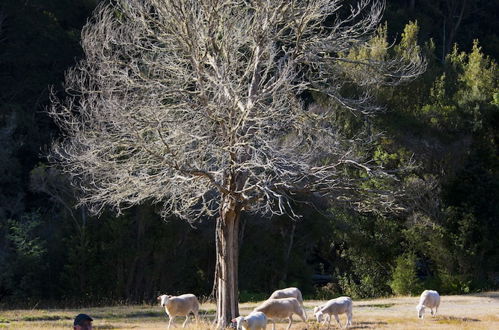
174,100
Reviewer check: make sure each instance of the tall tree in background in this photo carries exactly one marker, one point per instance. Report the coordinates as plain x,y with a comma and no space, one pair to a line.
201,106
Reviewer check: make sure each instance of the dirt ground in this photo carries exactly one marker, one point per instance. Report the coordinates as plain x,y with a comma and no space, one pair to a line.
476,311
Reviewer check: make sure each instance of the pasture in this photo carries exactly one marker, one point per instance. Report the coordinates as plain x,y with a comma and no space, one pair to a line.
475,311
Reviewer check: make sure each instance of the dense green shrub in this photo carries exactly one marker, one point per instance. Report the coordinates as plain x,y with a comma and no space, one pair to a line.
454,283
328,291
404,277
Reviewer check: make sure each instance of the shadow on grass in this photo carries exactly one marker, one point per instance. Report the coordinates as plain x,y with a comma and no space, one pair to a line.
367,325
44,318
453,319
148,314
142,314
355,325
377,305
130,315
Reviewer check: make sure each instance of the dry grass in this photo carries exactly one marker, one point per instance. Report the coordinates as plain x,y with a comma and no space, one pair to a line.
480,311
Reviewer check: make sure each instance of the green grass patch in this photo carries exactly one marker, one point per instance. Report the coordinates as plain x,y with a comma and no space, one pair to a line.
128,315
30,318
378,305
207,311
142,314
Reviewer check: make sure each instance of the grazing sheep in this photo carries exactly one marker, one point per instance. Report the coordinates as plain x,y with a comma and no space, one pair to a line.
282,308
341,305
287,293
327,317
254,321
181,305
430,299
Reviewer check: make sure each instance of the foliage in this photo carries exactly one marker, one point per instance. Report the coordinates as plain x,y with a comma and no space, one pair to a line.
328,291
452,283
404,277
446,123
463,95
26,257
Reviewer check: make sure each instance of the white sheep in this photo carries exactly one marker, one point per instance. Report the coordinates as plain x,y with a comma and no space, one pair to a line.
254,321
181,305
341,305
280,309
287,293
430,299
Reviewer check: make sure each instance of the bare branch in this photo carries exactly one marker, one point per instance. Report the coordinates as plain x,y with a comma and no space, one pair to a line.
183,102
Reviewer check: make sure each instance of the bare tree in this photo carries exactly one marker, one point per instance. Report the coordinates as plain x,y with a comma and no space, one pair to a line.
198,106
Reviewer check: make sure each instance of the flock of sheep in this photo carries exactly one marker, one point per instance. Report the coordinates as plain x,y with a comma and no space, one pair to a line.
283,304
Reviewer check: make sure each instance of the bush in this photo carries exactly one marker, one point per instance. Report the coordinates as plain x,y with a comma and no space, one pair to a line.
328,291
454,284
366,286
404,278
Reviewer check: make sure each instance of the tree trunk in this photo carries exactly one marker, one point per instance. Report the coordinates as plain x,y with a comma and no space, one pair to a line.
227,244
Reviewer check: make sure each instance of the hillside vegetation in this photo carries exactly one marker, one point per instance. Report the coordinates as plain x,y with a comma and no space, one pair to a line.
440,133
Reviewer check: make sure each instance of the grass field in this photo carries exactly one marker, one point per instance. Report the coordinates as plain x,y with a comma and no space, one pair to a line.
478,311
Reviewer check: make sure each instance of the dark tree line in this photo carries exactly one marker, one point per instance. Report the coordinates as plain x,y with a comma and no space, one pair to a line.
447,122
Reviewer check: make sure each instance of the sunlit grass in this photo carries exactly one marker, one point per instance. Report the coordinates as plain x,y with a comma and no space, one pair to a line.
479,311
